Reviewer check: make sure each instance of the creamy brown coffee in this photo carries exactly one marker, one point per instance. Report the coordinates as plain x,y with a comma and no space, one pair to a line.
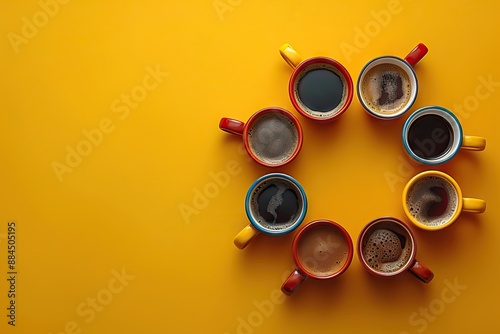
322,250
273,138
386,247
386,89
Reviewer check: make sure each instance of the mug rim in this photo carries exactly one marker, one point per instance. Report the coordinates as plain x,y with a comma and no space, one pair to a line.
439,174
362,235
409,104
299,219
338,66
313,224
262,112
438,111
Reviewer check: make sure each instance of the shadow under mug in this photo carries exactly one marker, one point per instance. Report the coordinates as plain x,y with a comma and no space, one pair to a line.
433,135
321,250
386,247
275,204
433,200
272,136
387,86
320,88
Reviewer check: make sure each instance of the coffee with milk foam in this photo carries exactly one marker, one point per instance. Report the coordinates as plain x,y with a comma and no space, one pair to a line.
386,88
273,138
432,201
386,250
323,250
276,204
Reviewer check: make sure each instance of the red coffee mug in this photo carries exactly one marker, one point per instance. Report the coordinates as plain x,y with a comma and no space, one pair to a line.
380,239
272,136
321,250
320,96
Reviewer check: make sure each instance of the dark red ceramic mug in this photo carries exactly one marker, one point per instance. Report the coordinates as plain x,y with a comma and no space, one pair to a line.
386,247
272,136
320,88
321,250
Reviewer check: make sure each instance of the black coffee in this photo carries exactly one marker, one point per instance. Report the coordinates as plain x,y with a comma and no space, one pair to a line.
438,204
320,90
430,136
277,204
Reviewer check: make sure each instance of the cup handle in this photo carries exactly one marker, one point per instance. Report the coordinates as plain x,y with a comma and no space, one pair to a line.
245,236
473,143
416,54
292,282
232,126
290,55
421,272
473,205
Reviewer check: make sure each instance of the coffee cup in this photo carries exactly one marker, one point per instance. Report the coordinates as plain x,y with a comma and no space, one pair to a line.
272,136
388,86
320,88
433,200
321,250
433,135
387,247
275,204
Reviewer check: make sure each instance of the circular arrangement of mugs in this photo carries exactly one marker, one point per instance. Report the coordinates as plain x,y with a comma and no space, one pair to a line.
321,89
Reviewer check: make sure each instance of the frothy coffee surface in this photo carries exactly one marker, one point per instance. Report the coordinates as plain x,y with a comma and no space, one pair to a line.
385,250
386,89
432,201
273,138
323,250
276,204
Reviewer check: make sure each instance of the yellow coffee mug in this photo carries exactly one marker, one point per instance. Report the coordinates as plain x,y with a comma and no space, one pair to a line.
433,200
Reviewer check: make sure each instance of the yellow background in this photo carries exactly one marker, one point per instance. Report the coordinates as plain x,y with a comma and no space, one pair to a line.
120,208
